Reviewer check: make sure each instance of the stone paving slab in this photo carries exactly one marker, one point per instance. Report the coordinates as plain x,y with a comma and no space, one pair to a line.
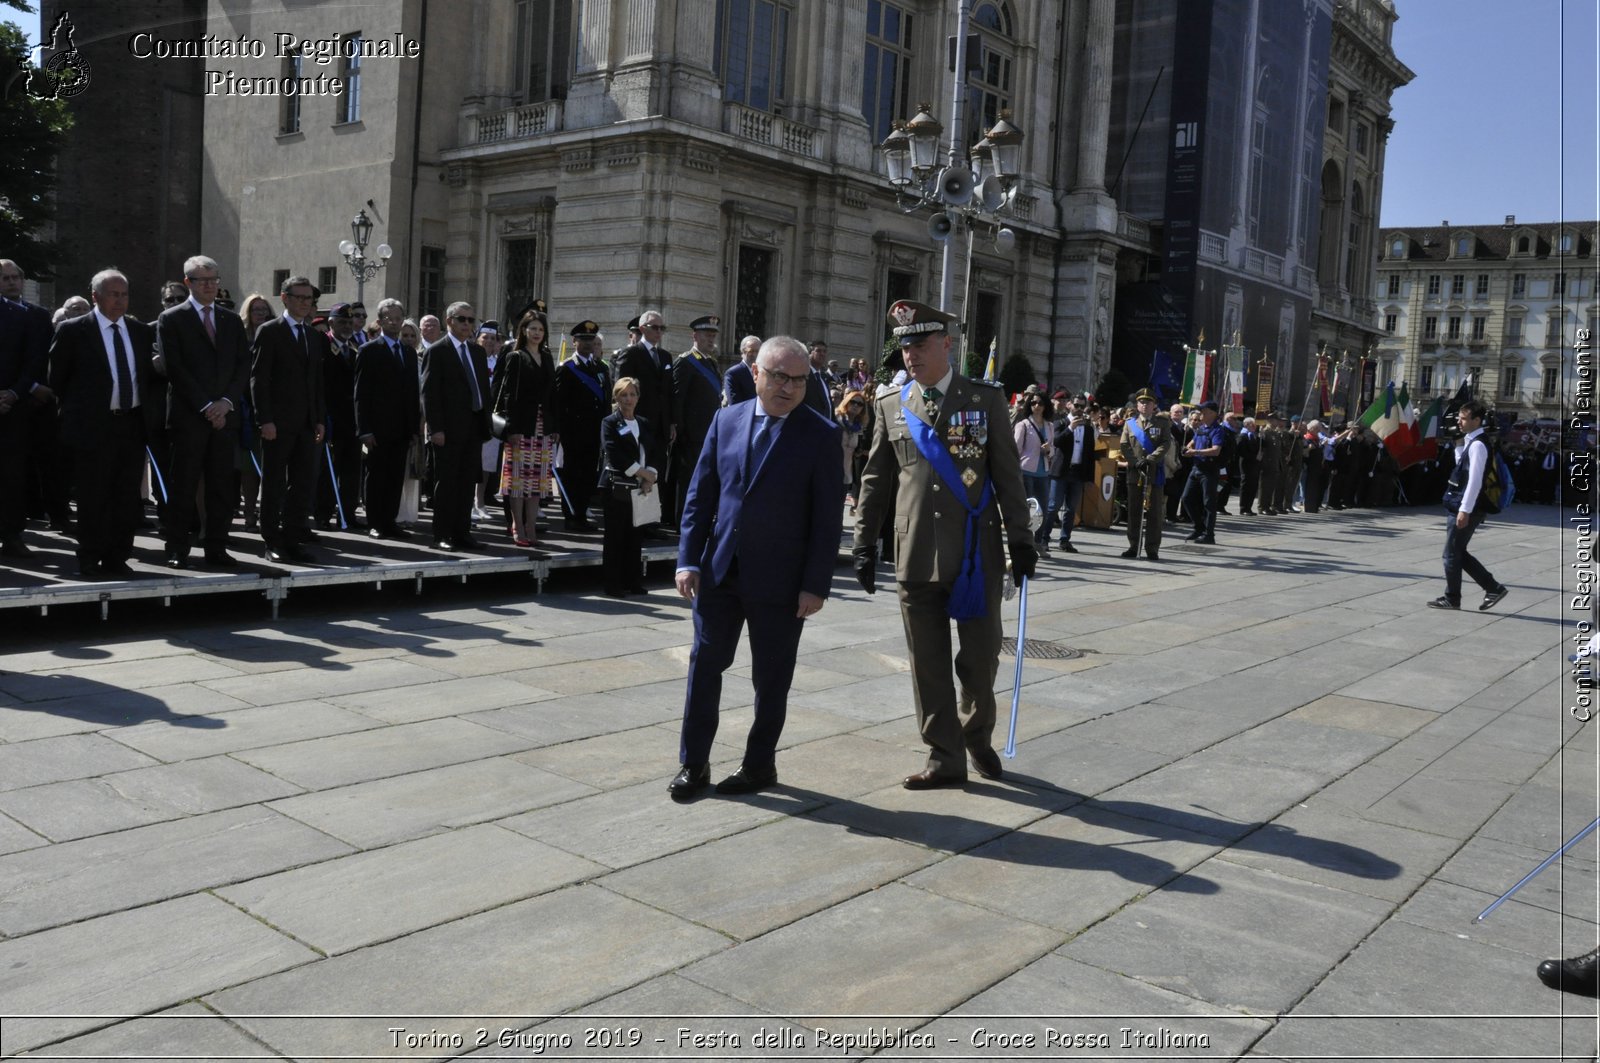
1449,807
846,765
1077,765
47,760
1278,930
83,807
577,716
612,761
339,760
859,958
1358,714
621,828
1108,859
1094,1014
1540,817
190,1031
949,820
339,905
196,737
1296,745
1515,925
535,957
14,837
132,962
1160,728
110,708
447,697
385,811
79,879
1216,795
133,674
304,684
750,883
71,656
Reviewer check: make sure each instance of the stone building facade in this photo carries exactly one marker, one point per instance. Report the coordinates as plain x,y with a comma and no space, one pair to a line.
1498,305
1363,73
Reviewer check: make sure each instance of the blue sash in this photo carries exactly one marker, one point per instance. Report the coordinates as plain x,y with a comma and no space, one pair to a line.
967,600
592,383
707,373
1144,441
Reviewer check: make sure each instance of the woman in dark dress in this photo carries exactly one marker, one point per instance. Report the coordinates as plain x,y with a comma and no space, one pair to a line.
523,389
632,456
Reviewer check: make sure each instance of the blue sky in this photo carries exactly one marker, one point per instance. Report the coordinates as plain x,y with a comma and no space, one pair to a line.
1501,118
1504,89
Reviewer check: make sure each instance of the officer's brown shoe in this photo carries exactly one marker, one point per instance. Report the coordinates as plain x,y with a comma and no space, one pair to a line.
928,779
987,761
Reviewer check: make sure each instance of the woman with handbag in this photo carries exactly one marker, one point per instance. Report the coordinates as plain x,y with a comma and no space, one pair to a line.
632,456
523,398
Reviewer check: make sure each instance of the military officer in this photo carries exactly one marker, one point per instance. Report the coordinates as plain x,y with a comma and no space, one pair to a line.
943,456
583,397
1146,439
696,398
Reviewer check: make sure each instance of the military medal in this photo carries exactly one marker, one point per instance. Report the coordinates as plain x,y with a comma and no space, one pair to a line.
969,477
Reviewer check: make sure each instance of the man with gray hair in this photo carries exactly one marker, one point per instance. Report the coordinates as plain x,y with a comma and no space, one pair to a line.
455,399
739,382
99,369
386,417
650,363
207,355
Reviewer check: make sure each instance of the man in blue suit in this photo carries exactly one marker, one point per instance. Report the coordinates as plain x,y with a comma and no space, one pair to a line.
758,543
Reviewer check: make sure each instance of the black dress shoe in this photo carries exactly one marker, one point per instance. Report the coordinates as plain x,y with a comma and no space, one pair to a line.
1153,556
375,533
987,761
306,535
220,559
273,554
1131,552
745,781
1067,548
1206,540
690,780
1575,975
445,545
177,561
15,548
89,570
928,779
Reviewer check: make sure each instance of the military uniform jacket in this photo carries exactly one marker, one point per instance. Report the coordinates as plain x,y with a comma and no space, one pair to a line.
1159,429
1271,449
578,407
974,426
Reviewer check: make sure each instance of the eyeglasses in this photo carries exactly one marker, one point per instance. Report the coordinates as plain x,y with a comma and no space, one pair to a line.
204,280
462,319
852,406
782,380
298,295
653,326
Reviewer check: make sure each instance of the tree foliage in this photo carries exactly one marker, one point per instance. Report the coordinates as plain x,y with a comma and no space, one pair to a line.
1017,374
34,130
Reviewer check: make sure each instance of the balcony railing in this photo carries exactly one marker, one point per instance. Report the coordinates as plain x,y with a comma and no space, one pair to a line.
772,130
1263,264
1213,247
517,123
1133,228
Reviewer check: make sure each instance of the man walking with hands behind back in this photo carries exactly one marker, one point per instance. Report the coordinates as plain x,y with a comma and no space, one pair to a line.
945,442
759,541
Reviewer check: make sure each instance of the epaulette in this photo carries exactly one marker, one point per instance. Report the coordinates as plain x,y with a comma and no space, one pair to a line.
989,384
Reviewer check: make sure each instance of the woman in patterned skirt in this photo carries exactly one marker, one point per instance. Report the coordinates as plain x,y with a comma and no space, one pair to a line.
527,375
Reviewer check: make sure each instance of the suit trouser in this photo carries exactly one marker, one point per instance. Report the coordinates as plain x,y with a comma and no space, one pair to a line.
51,462
107,485
1200,501
289,475
1288,480
386,480
684,456
1250,479
1457,559
621,546
578,475
201,454
720,614
456,472
1146,501
949,728
13,471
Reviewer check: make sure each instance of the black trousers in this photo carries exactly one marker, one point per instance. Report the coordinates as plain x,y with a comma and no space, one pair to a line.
290,469
386,478
347,470
621,551
455,470
107,482
14,439
201,455
578,477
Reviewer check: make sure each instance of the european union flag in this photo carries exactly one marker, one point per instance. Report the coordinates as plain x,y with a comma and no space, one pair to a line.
1163,376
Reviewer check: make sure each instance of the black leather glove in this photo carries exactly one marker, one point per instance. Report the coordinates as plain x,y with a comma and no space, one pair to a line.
1024,562
866,568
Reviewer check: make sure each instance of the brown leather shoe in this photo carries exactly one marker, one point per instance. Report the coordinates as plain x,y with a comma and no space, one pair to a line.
928,779
987,761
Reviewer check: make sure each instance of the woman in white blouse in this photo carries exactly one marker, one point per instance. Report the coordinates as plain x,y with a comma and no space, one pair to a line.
633,454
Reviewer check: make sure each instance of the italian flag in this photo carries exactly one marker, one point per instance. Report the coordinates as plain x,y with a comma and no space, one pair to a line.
1383,417
1197,376
1425,435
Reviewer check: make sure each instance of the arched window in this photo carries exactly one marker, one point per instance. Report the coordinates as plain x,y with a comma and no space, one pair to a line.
990,85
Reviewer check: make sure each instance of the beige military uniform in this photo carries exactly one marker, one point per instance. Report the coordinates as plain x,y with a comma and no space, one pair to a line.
973,426
1146,500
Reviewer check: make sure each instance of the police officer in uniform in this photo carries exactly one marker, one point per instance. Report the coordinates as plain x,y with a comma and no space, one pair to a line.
583,395
945,442
1146,438
696,397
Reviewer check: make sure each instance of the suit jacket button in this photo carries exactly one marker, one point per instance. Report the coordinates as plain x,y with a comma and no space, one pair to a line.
936,487
937,513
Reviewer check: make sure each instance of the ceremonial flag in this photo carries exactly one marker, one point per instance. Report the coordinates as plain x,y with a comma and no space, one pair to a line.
1233,381
988,370
1264,374
1334,398
1463,393
1197,376
1317,394
1383,417
1426,443
562,355
1163,376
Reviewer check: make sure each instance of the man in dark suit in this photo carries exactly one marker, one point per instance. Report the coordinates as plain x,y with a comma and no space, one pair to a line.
696,397
287,389
583,399
341,448
739,382
455,400
819,393
386,417
648,362
759,542
24,341
99,370
49,477
207,357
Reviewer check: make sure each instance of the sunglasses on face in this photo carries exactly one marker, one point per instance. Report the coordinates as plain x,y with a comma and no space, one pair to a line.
463,320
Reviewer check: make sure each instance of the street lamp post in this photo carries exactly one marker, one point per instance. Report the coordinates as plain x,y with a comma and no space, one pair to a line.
975,187
355,253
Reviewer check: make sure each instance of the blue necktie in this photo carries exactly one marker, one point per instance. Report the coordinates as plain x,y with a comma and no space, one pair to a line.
762,442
